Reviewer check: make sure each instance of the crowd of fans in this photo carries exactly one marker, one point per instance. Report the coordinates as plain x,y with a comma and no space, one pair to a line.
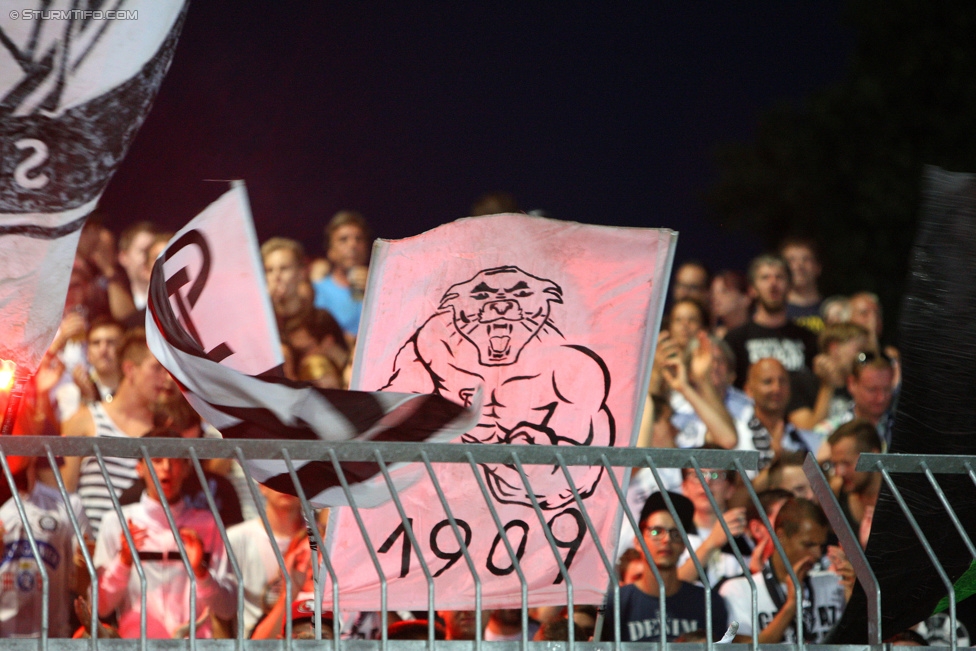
748,361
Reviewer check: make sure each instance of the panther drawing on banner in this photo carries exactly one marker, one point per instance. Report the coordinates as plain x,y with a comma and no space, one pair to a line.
495,330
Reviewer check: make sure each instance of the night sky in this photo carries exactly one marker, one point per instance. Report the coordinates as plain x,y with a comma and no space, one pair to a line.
599,112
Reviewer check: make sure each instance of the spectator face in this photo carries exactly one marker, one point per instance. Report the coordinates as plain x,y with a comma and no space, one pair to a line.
808,541
803,266
770,286
843,456
283,274
717,481
794,480
866,313
103,349
170,472
722,374
279,502
133,259
150,380
460,624
662,539
871,392
633,573
846,352
769,386
725,299
691,281
686,322
348,247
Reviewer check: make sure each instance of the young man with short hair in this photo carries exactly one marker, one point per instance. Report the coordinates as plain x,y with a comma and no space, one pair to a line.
802,530
167,584
641,612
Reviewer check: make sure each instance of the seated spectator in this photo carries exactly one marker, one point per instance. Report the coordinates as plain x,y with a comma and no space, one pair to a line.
866,312
305,328
709,541
107,292
731,305
176,414
252,549
840,345
858,490
771,501
710,364
771,334
22,602
167,583
133,257
129,414
768,384
786,473
641,614
703,399
630,567
691,280
870,385
99,378
656,431
802,530
803,299
347,243
157,243
685,320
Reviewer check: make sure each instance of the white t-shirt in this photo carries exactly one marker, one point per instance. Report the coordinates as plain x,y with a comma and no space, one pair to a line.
823,604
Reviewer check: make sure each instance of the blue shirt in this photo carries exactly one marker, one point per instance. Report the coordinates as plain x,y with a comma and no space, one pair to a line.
340,303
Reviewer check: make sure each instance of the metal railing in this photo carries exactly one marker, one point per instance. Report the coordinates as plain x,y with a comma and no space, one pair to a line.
385,454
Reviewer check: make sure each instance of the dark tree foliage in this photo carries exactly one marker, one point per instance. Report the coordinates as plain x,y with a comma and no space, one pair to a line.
844,166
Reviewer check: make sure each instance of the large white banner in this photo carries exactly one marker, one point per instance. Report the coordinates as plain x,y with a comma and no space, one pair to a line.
555,322
75,85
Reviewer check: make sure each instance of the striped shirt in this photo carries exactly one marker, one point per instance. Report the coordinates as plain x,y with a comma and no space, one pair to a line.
92,489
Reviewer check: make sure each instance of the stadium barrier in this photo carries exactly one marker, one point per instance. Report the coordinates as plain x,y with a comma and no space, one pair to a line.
385,454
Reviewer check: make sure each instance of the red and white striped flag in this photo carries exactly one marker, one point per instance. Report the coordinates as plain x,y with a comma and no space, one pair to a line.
212,326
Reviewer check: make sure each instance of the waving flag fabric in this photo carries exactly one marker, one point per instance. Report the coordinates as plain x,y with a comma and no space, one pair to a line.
75,86
211,324
555,322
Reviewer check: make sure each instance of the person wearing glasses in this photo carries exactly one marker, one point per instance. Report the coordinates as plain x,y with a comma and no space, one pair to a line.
642,614
871,386
709,542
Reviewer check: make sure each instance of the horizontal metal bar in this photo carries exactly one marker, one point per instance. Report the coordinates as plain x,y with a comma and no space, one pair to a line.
23,644
940,464
299,450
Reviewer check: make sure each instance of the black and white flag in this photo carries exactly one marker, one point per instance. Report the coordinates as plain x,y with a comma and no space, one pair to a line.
77,79
211,324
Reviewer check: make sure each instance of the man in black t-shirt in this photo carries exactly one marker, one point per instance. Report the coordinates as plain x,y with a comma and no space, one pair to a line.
770,333
640,605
